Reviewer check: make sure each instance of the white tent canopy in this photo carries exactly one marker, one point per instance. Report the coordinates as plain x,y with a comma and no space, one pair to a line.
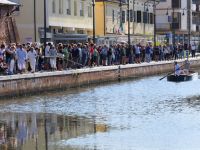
7,2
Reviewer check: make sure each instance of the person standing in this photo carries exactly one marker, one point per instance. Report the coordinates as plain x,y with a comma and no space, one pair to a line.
193,49
137,53
52,55
148,53
32,55
21,59
2,51
11,66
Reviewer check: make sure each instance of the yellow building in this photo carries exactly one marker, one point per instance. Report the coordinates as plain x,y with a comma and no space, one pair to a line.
112,21
67,20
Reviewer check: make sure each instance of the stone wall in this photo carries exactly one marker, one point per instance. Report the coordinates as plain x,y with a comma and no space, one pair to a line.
36,83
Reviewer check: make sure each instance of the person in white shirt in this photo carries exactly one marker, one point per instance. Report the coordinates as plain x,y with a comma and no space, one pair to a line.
21,58
32,55
53,55
193,49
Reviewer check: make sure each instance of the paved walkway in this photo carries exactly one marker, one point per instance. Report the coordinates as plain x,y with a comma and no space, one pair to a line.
83,70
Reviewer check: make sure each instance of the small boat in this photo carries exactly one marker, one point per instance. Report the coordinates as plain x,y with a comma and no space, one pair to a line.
183,77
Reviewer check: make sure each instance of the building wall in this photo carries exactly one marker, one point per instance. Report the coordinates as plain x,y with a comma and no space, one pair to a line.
72,21
113,32
162,18
99,19
25,19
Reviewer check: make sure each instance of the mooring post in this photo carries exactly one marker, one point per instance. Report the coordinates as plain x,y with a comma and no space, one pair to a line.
119,71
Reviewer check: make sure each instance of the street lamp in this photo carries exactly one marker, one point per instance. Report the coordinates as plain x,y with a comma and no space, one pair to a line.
93,9
129,38
34,14
45,23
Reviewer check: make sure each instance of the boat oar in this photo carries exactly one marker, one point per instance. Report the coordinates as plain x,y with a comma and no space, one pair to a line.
170,73
166,75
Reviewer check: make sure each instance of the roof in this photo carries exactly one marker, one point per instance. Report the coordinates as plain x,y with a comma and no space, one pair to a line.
7,2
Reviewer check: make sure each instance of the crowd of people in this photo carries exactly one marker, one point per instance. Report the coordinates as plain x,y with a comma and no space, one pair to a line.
32,57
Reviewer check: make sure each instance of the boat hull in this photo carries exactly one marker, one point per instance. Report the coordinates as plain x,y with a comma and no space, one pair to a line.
182,78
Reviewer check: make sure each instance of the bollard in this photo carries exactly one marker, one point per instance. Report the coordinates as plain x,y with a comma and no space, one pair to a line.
119,76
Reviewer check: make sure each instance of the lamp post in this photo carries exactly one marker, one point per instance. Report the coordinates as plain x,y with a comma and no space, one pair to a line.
34,5
173,28
45,23
129,38
154,13
189,22
145,10
93,9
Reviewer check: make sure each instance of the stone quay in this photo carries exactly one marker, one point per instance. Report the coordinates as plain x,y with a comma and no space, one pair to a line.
36,83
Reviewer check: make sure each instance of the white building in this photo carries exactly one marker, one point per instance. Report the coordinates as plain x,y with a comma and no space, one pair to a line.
67,20
174,20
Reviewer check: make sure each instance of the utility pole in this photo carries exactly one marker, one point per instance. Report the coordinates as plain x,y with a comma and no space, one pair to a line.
34,13
154,12
129,38
120,10
189,21
173,28
133,16
94,28
45,23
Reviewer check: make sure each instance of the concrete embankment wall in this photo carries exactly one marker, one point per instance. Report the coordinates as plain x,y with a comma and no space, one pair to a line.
25,84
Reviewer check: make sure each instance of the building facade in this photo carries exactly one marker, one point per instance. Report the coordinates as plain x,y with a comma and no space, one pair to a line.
176,21
112,21
67,20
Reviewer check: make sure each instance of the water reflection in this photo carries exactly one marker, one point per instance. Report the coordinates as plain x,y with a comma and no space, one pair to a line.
26,131
145,114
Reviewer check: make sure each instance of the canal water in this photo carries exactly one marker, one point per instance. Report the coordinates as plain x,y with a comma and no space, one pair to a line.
144,114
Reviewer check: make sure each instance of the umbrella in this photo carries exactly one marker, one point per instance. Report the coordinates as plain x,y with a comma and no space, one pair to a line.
7,2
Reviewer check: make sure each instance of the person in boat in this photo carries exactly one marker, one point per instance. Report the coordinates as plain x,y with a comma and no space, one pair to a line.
179,71
186,67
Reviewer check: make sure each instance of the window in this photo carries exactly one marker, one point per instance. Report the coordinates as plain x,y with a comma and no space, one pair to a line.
176,20
53,7
127,15
60,6
131,15
113,16
82,8
145,17
75,8
123,16
135,16
176,3
68,6
139,16
151,17
90,11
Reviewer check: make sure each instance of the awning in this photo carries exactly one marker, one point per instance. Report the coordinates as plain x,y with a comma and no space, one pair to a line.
7,2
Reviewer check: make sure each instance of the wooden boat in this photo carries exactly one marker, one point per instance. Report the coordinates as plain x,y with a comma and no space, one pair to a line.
183,77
